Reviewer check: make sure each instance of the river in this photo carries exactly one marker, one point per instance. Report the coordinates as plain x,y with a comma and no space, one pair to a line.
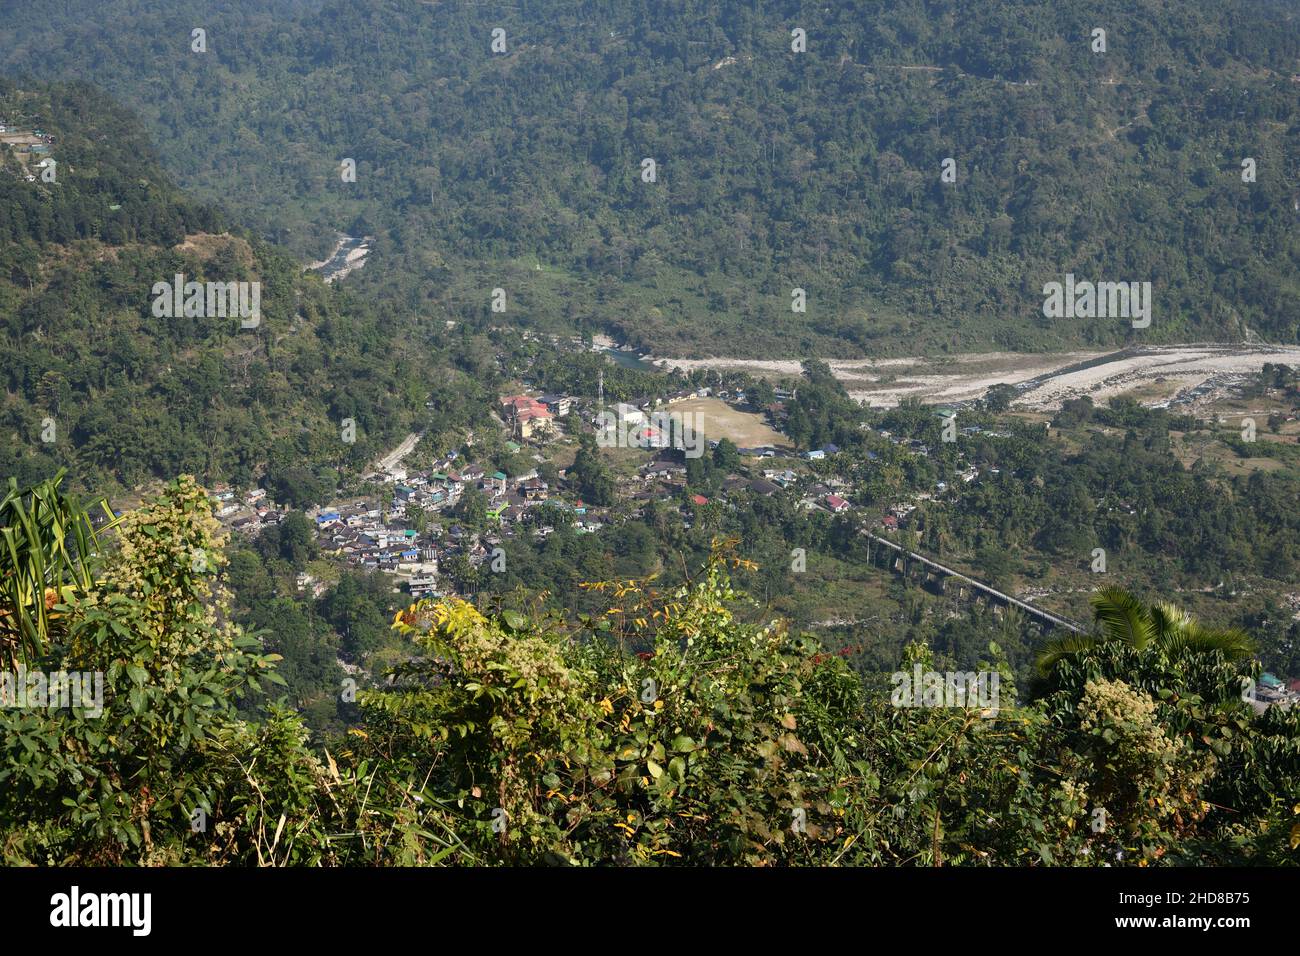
1165,373
349,253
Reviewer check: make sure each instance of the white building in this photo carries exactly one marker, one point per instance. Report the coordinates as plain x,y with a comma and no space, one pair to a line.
628,414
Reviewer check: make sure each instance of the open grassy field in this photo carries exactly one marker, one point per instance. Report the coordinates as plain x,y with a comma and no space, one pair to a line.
719,420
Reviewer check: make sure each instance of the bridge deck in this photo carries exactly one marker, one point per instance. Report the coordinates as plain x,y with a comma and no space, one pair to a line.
1029,609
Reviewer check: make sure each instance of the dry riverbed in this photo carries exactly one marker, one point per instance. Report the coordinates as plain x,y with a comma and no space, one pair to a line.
1164,373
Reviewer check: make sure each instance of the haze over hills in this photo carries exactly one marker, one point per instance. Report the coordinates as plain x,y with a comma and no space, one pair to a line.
775,170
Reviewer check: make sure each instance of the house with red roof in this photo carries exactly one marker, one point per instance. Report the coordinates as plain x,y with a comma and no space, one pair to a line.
528,415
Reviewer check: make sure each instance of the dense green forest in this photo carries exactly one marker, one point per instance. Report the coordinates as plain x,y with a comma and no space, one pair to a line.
775,169
95,381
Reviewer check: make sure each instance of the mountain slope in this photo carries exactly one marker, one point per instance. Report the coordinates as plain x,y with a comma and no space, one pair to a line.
97,380
775,170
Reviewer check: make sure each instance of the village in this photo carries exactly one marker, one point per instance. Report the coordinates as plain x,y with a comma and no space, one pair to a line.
32,147
412,523
406,522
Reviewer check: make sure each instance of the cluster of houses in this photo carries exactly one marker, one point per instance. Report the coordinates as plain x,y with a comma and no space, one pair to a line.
33,144
826,494
248,512
377,533
369,536
400,528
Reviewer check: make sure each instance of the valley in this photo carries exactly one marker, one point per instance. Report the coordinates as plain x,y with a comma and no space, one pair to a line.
538,435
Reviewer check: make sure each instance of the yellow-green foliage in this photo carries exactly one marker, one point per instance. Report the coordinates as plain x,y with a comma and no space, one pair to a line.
534,739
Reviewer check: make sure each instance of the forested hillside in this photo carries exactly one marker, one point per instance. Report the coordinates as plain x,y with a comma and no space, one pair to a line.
775,169
96,381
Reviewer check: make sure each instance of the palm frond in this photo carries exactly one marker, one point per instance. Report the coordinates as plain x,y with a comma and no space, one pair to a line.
1169,619
1233,643
1122,617
1057,649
